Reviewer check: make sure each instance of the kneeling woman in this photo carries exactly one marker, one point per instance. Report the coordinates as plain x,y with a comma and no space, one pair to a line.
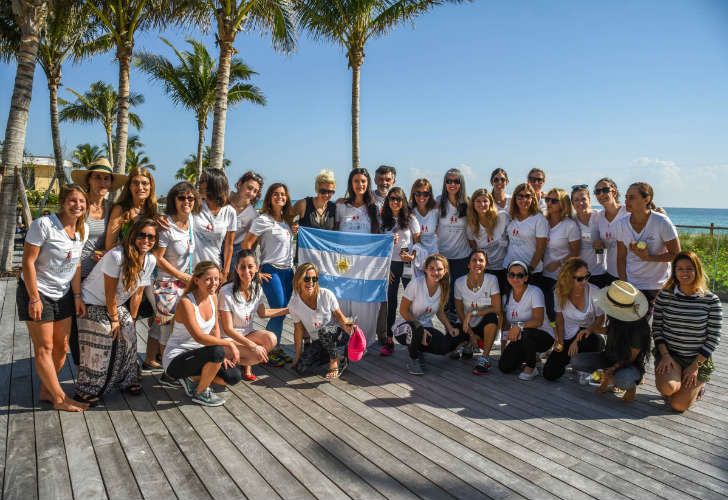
578,319
312,309
529,332
628,340
107,335
239,299
195,354
424,298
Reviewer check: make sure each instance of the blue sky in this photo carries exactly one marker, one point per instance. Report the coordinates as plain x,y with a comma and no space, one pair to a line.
632,90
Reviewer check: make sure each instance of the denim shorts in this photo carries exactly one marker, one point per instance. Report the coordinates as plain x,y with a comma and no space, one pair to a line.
53,310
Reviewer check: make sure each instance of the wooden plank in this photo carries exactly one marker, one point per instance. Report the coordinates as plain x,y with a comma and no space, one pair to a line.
7,331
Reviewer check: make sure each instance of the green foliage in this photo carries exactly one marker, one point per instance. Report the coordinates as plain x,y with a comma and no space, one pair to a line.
713,251
35,196
188,172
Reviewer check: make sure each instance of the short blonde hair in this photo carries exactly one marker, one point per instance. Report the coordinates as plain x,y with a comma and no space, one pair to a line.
567,209
300,273
324,177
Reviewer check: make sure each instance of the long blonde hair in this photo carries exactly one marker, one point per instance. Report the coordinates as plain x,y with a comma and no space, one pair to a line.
491,215
567,209
533,209
65,193
200,269
700,281
444,282
565,282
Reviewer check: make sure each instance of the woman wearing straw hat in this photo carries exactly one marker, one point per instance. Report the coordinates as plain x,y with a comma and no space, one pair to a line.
628,340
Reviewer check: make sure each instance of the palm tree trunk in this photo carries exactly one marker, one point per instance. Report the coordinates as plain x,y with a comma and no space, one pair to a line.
44,200
221,104
30,15
27,216
122,117
110,146
355,79
53,83
201,126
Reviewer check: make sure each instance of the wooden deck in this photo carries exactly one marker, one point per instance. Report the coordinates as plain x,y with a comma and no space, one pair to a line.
377,432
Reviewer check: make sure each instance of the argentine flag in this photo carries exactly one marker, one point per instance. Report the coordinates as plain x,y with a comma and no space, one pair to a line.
354,266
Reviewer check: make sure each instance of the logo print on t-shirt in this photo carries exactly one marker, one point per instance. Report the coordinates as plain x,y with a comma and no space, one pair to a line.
209,227
428,310
514,315
453,219
515,231
424,229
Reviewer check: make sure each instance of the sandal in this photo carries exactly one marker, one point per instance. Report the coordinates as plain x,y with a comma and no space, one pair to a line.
250,378
333,373
134,389
91,401
284,356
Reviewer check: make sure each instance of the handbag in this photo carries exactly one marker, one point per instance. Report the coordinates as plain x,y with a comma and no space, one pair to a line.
168,291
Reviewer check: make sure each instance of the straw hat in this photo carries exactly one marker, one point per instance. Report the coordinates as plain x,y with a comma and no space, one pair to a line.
623,301
100,165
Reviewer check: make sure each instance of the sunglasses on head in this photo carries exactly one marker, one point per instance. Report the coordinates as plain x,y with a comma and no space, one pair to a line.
535,179
422,193
325,192
605,190
519,276
182,197
579,187
310,279
141,235
582,279
553,201
452,181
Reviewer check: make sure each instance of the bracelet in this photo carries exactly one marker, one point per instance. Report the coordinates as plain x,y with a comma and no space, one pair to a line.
700,364
33,301
76,295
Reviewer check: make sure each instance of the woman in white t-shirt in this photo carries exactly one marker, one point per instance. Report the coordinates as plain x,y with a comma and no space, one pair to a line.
49,291
452,239
423,299
315,311
607,194
487,230
564,242
249,188
195,354
397,220
499,182
238,301
528,232
578,317
215,222
588,222
529,331
647,243
478,302
424,209
107,334
357,212
537,179
274,230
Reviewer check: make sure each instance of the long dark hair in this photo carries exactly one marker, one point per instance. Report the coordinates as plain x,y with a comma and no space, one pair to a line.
133,264
368,196
126,200
267,208
619,345
251,176
403,219
255,285
180,188
217,188
462,202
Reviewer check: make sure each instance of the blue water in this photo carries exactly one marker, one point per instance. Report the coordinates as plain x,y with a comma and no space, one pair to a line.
698,216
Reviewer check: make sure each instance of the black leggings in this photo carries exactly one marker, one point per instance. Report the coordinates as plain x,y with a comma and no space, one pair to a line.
556,364
547,287
458,267
525,350
396,268
439,342
488,319
190,364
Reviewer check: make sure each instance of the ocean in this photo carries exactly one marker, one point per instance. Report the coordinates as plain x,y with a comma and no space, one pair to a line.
698,217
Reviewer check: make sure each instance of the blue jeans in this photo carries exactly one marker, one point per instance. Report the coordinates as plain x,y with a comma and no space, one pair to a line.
625,378
278,292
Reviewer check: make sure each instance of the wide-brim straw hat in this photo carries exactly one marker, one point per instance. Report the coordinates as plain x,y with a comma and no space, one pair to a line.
101,165
621,300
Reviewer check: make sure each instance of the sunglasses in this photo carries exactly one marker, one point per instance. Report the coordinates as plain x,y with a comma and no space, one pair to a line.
499,179
395,199
598,191
536,179
310,279
452,181
519,276
553,201
422,193
523,196
324,192
146,236
579,187
582,279
185,198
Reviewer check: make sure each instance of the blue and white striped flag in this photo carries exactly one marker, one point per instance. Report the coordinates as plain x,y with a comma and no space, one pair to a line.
354,266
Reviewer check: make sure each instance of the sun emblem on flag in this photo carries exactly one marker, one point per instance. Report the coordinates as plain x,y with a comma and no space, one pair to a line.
342,265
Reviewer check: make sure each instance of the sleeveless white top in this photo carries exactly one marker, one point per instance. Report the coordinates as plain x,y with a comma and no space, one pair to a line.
180,340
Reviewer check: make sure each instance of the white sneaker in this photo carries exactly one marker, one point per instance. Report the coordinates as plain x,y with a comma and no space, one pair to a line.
528,376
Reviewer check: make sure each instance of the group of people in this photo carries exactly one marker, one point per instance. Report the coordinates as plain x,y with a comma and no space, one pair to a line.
540,268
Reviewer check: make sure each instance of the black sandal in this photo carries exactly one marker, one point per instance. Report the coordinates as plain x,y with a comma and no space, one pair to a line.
134,389
91,401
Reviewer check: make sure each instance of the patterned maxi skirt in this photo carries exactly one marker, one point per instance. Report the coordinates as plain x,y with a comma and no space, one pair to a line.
105,362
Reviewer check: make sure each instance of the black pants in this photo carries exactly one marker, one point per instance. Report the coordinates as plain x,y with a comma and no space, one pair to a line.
488,319
556,364
547,287
396,268
190,364
322,350
438,343
525,350
502,276
458,267
602,280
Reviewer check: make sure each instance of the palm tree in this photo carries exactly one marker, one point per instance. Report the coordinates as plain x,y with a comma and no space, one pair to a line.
122,19
188,172
99,104
135,155
68,33
192,82
231,17
85,154
29,17
351,24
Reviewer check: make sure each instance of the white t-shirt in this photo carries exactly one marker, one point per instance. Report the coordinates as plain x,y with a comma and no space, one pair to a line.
557,247
241,310
507,206
428,229
405,237
609,233
181,341
589,233
658,230
495,246
276,241
110,265
423,307
353,219
59,255
179,244
244,220
311,319
576,319
451,237
210,230
522,236
473,300
522,310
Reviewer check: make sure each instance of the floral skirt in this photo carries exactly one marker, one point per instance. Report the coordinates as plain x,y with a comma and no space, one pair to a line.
105,362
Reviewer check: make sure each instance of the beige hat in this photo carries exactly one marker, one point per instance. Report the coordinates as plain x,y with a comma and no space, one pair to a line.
623,301
101,165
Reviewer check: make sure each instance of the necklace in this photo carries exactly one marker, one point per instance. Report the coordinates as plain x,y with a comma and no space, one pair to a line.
474,285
